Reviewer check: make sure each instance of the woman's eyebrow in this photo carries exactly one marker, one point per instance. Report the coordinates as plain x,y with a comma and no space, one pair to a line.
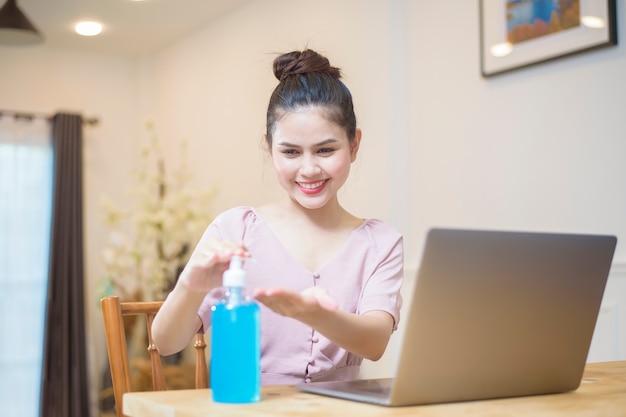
287,144
322,143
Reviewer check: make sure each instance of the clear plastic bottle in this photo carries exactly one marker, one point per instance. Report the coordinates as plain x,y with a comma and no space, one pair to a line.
235,341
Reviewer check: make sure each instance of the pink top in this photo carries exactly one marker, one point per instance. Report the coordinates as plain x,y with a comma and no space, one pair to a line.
365,275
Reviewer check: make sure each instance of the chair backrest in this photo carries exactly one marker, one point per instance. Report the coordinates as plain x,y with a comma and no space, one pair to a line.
113,312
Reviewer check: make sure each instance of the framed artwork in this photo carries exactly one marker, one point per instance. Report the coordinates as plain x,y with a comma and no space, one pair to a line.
518,33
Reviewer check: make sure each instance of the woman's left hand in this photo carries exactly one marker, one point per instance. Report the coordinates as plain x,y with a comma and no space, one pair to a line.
364,334
296,305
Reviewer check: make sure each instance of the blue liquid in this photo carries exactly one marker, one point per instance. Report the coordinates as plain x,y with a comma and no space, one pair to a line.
236,353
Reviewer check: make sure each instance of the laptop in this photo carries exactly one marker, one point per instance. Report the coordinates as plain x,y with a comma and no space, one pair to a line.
494,314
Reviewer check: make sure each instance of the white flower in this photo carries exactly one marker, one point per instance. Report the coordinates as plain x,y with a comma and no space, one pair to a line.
149,245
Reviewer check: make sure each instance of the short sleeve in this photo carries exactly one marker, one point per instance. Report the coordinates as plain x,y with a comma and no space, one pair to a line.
384,271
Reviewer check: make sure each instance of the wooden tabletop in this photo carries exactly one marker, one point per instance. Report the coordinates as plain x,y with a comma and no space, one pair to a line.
602,393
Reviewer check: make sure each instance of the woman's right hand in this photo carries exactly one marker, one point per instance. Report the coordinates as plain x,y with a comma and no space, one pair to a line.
178,320
208,262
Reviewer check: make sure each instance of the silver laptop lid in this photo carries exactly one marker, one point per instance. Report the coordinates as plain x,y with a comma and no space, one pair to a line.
499,314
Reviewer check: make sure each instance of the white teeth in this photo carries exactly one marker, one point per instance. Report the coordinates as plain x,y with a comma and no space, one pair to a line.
311,186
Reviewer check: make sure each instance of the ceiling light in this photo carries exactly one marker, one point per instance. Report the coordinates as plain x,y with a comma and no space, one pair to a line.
88,28
15,28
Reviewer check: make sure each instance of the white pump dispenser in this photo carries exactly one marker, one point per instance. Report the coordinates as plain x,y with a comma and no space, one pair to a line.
234,276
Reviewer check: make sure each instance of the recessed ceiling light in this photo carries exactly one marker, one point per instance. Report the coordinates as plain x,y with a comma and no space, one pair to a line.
88,28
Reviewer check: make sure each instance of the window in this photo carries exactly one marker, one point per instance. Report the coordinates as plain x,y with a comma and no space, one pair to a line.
26,175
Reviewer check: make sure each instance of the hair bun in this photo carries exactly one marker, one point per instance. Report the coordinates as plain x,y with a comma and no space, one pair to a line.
302,62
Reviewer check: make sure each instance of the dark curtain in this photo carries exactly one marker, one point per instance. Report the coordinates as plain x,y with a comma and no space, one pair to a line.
64,391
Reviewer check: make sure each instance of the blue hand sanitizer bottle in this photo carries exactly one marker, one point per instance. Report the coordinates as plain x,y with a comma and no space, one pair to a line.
235,341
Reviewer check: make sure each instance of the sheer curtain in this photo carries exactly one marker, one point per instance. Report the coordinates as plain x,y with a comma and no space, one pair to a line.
26,164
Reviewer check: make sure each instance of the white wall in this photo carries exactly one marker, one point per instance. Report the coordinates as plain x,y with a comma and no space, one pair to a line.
541,148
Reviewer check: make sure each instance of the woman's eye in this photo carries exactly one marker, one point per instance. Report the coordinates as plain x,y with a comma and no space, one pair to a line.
326,150
289,152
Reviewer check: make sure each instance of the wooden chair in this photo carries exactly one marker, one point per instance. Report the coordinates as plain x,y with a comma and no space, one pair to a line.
113,312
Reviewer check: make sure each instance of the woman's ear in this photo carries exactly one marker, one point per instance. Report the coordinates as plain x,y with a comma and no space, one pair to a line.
267,144
354,145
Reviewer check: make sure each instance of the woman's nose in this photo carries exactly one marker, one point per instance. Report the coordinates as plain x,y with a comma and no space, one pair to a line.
309,166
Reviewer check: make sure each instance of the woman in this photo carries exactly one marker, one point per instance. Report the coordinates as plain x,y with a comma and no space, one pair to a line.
327,280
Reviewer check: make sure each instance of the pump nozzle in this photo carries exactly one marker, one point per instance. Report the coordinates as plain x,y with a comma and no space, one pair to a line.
234,276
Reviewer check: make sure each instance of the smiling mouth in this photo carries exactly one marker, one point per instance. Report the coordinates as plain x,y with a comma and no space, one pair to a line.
312,188
311,185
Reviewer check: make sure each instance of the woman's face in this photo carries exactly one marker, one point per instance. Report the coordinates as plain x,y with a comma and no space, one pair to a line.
311,156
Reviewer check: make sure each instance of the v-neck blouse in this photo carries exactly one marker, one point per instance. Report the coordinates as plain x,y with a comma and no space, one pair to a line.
365,275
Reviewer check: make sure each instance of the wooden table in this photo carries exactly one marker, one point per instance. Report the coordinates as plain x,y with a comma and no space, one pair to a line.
602,393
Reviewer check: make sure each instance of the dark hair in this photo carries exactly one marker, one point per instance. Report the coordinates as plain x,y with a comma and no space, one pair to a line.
307,79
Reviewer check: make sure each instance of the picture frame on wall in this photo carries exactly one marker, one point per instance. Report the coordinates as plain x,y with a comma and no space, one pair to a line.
518,33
